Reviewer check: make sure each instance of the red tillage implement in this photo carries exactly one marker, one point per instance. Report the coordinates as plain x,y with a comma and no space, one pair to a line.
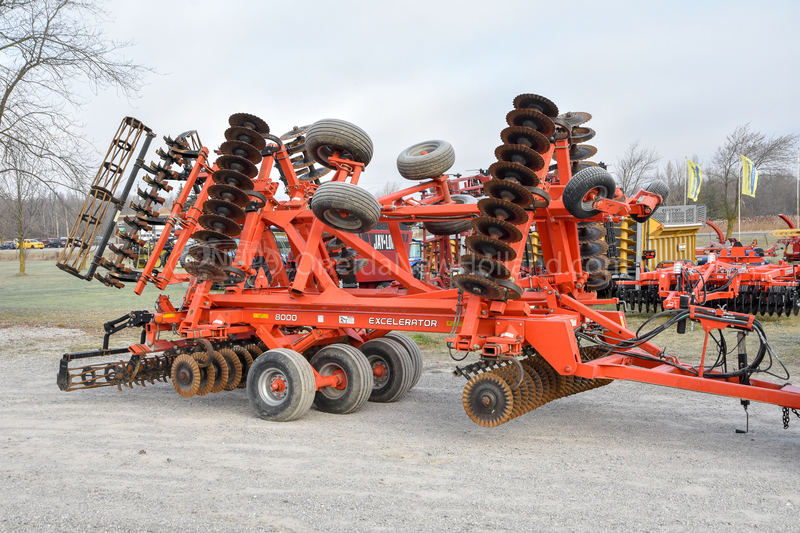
738,279
294,340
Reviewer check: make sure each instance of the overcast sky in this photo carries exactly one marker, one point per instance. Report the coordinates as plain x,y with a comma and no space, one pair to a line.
678,76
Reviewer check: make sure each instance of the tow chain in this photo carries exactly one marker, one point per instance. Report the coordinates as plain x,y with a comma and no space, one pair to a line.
786,416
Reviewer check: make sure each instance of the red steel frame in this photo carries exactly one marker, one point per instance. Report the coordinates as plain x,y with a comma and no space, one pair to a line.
736,267
311,309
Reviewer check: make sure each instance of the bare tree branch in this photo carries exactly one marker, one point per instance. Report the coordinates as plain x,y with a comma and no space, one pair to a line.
770,156
636,167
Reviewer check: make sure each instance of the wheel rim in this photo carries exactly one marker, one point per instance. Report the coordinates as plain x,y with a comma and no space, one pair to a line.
331,369
341,219
326,152
381,372
587,203
424,148
273,387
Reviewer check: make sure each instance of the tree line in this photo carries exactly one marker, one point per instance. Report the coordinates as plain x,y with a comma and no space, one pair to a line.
775,158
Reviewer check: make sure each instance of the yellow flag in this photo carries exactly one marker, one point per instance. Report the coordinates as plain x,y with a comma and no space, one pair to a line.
749,177
695,180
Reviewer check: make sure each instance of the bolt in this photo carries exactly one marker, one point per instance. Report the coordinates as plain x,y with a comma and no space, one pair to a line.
552,310
483,312
549,292
476,347
567,368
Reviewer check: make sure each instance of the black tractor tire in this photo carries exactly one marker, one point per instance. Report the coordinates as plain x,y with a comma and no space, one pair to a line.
588,179
413,351
426,160
358,379
657,187
329,135
397,367
361,210
451,227
300,386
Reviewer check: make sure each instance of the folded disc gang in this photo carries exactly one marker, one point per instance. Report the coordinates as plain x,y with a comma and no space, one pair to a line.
251,122
245,135
530,118
537,102
527,137
522,155
508,191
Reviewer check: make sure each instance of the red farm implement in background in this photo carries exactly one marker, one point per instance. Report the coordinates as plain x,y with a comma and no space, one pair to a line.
790,239
310,338
737,279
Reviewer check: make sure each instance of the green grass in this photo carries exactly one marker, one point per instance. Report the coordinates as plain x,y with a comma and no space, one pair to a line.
427,340
47,296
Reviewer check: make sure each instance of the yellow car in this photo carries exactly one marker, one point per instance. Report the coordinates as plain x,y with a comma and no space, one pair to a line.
30,243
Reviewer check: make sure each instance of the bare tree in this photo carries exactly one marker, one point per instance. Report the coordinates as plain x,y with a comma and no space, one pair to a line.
770,156
22,196
636,167
388,187
48,48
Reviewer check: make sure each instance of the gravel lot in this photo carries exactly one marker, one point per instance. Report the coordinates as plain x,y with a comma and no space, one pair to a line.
626,457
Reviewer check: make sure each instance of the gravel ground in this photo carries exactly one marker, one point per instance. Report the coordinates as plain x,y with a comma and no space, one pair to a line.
626,457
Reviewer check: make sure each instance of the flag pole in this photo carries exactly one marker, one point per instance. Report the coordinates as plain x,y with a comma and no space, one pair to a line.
739,210
686,167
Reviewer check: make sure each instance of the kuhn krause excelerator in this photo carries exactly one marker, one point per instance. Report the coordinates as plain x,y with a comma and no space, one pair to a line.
293,339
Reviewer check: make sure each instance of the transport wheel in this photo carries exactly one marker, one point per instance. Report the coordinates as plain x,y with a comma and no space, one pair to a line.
451,227
207,374
391,367
488,400
584,188
234,368
413,352
281,385
330,135
355,373
658,187
426,160
345,207
185,375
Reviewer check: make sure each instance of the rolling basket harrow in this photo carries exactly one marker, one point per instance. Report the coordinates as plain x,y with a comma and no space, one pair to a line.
300,337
